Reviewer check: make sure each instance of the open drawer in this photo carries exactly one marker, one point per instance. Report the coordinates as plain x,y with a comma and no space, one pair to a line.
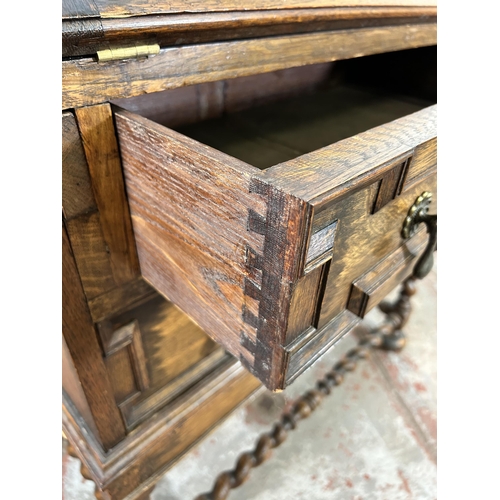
274,253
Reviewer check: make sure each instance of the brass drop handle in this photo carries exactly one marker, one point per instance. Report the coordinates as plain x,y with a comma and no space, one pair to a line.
417,214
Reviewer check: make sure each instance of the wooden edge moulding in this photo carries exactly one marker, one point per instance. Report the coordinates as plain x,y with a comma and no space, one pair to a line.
119,9
86,36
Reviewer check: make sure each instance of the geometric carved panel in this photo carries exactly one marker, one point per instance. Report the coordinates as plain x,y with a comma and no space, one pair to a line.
369,250
125,359
390,185
376,283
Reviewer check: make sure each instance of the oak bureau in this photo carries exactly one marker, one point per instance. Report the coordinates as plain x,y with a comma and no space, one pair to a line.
238,185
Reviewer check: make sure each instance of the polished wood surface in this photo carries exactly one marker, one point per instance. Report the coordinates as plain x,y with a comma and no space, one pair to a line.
365,239
82,37
73,389
85,353
101,150
166,353
86,81
180,193
120,299
181,222
308,176
263,251
77,196
121,8
373,286
139,460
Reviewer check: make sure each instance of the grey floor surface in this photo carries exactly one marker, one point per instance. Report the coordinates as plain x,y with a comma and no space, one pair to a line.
373,438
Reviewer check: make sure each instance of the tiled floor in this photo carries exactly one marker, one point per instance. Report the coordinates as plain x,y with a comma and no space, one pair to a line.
373,438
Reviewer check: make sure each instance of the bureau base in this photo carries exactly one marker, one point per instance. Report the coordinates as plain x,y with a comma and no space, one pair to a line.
131,469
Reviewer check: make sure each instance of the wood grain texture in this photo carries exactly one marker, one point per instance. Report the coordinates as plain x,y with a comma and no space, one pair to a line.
79,8
137,410
364,239
287,221
348,196
127,337
82,36
86,36
369,289
121,374
320,246
305,350
231,239
171,342
170,160
73,389
101,149
81,340
77,195
199,262
144,456
186,109
389,186
227,134
424,161
120,299
184,429
263,136
257,90
181,106
303,304
118,8
359,159
332,160
104,250
87,82
91,255
175,353
196,209
183,197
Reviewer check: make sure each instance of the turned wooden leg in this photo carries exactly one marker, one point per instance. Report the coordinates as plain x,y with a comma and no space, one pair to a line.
101,495
397,315
70,449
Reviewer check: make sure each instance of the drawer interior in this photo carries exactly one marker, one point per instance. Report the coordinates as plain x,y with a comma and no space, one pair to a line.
277,132
271,118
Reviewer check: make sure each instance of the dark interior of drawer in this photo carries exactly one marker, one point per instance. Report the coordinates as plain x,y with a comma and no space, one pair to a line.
275,117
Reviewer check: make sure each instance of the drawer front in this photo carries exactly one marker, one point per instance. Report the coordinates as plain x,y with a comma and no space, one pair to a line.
266,261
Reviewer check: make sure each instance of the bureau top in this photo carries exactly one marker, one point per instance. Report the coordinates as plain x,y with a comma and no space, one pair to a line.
125,8
92,25
152,46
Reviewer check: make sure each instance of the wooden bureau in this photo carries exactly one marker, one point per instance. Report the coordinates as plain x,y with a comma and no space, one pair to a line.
234,189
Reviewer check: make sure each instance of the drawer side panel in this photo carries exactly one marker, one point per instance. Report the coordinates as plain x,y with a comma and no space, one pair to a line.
190,209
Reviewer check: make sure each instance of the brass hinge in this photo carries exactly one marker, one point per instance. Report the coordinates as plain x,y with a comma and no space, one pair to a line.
120,53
